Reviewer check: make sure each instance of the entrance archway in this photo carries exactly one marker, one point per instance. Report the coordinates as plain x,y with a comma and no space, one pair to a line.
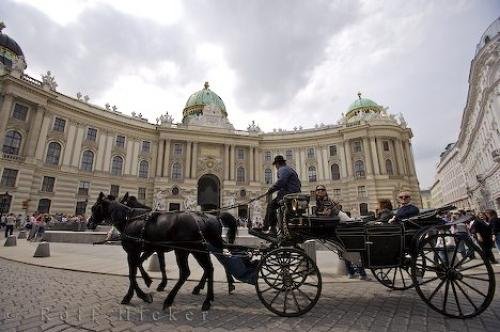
209,192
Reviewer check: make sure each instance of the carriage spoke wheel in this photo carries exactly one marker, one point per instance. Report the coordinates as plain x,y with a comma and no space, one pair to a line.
459,281
289,282
397,278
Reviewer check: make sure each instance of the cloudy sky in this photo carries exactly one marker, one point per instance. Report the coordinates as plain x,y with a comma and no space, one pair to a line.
281,63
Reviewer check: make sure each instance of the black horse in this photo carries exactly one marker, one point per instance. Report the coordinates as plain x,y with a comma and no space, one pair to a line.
189,232
132,202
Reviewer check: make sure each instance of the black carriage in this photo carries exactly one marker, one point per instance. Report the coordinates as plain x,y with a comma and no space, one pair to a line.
449,271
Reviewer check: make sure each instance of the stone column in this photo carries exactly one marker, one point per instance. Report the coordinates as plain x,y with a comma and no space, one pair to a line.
326,168
5,111
159,158
343,161
233,162
368,158
107,155
166,159
319,158
77,151
298,162
347,151
35,130
226,162
188,160
374,151
194,160
101,148
251,160
303,175
135,158
68,149
411,161
398,150
258,165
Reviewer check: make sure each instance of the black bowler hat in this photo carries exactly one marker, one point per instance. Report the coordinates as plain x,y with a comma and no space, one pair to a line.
279,159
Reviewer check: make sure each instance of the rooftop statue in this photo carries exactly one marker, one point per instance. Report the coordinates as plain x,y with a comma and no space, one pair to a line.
49,81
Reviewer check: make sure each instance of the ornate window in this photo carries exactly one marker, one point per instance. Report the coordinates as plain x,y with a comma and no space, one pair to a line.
114,190
143,169
311,172
359,168
48,184
83,188
117,165
385,145
12,143
388,167
6,200
289,154
81,207
141,194
240,154
53,153
361,191
240,174
268,176
146,146
178,149
87,161
363,209
176,171
9,177
91,134
20,112
44,205
335,172
267,156
59,125
333,150
310,153
356,146
120,141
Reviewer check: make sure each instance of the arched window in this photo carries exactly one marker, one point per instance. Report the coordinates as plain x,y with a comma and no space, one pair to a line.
359,168
312,173
12,143
240,174
267,155
44,205
176,171
6,200
363,209
53,153
388,167
268,176
87,161
117,165
143,169
335,172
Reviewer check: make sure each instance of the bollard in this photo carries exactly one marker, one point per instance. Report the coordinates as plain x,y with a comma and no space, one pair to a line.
42,250
10,241
154,263
310,249
22,235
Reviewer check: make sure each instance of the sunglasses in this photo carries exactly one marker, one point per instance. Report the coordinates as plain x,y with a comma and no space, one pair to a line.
404,197
320,189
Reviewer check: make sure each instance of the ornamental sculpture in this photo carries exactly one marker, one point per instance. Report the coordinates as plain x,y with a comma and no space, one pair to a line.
165,119
253,128
49,81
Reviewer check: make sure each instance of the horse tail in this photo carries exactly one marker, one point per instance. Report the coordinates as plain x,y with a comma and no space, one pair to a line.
229,221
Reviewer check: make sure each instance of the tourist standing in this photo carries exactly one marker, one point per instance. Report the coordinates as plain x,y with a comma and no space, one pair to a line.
9,224
495,224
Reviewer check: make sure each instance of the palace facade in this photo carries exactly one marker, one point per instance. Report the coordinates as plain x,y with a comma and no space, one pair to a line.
59,152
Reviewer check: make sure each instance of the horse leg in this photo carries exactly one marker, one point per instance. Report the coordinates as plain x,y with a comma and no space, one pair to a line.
133,263
181,257
208,269
145,276
164,280
131,271
230,282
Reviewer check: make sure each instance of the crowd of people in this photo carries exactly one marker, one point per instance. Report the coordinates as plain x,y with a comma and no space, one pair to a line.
35,223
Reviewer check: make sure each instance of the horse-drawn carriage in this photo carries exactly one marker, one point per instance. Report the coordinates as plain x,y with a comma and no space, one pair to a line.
449,272
419,252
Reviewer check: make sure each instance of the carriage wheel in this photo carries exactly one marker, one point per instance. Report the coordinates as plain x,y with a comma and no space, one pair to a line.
454,284
289,282
397,278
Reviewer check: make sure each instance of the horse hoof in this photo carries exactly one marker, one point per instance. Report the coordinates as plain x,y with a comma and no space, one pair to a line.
196,291
205,306
148,298
231,289
166,306
148,282
160,288
125,301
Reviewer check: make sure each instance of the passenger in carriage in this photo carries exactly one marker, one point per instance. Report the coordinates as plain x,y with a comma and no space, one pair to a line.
288,183
384,211
406,210
325,207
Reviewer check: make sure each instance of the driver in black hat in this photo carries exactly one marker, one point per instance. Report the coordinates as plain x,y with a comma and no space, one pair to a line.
288,182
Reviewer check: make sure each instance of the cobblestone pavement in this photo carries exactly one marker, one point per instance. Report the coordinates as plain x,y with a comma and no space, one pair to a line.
36,298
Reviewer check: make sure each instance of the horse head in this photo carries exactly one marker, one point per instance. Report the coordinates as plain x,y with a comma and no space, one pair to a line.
99,211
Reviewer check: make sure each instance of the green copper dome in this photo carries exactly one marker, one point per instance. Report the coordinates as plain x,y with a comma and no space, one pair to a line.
363,103
205,97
